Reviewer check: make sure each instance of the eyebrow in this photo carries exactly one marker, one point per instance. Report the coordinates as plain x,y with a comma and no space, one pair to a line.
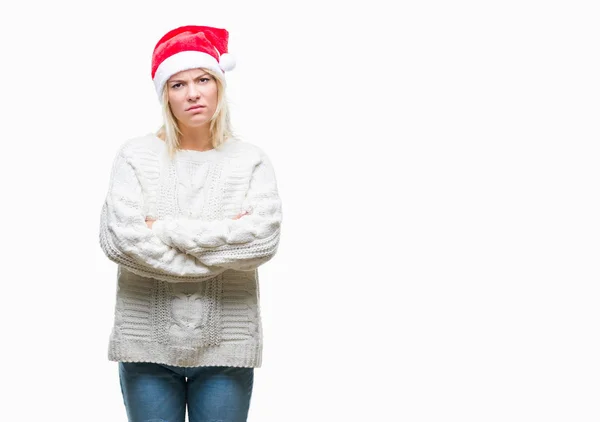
181,80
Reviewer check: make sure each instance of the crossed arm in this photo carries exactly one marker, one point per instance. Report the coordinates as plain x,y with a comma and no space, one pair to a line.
241,243
188,250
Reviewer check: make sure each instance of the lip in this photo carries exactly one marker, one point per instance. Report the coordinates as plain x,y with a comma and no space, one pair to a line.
196,107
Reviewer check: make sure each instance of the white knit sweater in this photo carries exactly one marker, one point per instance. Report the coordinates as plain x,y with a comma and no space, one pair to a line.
188,291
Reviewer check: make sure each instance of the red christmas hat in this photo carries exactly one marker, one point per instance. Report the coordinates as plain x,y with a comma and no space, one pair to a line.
190,47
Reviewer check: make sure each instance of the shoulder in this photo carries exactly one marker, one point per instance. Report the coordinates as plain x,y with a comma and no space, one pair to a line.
245,149
132,147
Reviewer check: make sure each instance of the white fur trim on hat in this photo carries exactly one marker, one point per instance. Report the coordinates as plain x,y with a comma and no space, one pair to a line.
184,60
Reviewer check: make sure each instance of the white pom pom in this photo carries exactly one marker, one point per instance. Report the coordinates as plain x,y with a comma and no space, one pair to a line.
227,62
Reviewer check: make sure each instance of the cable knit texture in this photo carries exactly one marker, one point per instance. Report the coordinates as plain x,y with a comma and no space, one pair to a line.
187,292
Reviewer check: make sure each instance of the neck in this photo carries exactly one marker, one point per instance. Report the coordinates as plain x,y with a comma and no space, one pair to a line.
197,138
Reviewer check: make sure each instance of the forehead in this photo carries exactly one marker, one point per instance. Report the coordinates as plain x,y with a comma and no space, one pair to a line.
191,74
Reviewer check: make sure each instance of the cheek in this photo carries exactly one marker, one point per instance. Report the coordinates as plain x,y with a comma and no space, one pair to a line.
176,104
214,96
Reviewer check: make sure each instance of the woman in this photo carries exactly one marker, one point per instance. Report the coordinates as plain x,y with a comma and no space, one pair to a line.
190,215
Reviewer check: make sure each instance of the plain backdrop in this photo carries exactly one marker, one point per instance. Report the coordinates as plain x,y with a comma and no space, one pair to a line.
438,167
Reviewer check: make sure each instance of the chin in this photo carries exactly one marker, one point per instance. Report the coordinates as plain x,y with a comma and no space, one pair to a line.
197,123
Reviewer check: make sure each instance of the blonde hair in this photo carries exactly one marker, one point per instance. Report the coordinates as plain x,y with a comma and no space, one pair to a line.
220,125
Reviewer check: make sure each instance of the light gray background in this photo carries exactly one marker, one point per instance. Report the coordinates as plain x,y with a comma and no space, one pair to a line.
438,165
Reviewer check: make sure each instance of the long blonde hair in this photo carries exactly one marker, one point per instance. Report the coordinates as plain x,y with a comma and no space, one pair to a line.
220,125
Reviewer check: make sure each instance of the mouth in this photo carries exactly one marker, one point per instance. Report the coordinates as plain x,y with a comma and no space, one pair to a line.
196,107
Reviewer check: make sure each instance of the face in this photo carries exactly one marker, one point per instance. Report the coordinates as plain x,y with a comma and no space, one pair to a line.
193,97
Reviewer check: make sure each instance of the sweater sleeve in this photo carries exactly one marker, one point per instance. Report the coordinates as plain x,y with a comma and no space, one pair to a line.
242,244
126,239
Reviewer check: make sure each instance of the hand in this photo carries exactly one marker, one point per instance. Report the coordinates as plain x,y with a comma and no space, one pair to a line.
149,222
240,215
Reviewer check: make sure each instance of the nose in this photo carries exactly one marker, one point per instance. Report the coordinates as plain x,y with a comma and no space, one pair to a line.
193,93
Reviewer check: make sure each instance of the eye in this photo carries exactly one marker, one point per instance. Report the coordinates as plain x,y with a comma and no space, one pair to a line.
204,80
175,86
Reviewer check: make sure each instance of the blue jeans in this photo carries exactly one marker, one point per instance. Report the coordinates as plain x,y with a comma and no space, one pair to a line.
159,393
